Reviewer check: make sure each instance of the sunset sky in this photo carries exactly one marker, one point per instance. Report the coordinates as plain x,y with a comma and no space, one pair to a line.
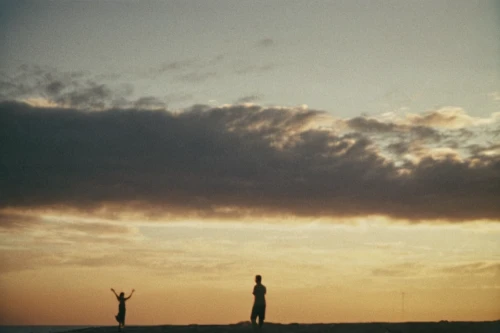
347,151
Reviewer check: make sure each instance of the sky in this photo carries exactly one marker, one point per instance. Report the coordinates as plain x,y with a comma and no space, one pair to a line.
347,151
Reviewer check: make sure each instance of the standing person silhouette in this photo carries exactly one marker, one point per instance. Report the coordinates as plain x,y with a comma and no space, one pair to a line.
259,303
120,317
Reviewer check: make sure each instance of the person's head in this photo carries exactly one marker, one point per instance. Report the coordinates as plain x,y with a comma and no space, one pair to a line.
122,295
258,278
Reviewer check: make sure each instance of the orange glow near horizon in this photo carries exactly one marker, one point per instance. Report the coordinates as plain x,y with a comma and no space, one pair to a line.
202,272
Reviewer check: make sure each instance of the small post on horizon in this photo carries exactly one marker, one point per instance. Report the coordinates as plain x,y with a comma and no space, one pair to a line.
403,305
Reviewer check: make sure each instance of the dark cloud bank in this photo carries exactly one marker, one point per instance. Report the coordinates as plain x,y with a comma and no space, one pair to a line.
227,162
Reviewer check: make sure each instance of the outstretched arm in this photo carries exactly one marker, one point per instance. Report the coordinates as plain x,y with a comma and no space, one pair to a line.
130,294
114,292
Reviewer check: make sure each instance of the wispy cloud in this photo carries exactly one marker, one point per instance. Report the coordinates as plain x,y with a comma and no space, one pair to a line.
175,66
149,102
187,70
481,268
448,117
248,99
265,42
69,89
17,222
495,96
246,69
195,77
399,270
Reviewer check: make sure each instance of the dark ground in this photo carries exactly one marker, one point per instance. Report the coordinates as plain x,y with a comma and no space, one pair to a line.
419,327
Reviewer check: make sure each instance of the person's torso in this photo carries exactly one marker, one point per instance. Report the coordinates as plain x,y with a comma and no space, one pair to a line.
260,292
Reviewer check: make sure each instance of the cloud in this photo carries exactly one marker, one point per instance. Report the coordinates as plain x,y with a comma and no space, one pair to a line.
107,260
19,260
31,259
195,77
484,150
230,162
175,66
98,228
188,70
364,124
265,42
149,102
414,129
446,117
17,222
413,269
476,268
48,86
93,96
411,138
254,68
178,97
247,99
495,96
399,270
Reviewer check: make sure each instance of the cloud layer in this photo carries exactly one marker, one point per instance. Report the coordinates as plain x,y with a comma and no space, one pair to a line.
247,160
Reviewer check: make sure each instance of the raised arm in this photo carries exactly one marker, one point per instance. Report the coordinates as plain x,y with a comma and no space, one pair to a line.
130,294
114,292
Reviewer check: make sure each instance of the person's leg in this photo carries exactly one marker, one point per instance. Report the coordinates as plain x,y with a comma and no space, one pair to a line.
117,317
253,317
121,319
262,315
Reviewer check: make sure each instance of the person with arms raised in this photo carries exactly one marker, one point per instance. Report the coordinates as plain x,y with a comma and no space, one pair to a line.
120,317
